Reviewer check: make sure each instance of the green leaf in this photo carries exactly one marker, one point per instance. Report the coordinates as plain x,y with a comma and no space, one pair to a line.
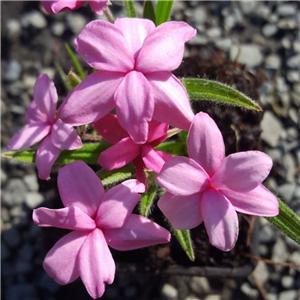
147,200
163,11
185,241
149,11
129,7
75,62
89,153
115,176
287,222
203,89
74,80
63,77
172,147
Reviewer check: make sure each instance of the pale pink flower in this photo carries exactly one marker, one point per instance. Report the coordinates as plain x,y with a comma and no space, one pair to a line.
54,7
99,220
134,59
42,123
126,150
208,187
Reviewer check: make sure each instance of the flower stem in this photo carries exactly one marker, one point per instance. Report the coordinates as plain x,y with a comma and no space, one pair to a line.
109,16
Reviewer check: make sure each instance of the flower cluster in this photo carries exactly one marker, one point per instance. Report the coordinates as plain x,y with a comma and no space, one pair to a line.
134,60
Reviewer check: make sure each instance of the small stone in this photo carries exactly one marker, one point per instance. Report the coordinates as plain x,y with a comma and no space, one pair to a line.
199,14
169,291
263,250
29,81
200,285
58,28
294,115
249,291
293,76
248,54
294,61
49,71
273,61
292,134
286,191
16,89
287,281
286,10
230,21
17,211
269,30
34,199
76,22
213,297
214,32
34,19
13,71
272,296
295,257
32,182
286,43
271,128
224,44
289,165
17,109
288,295
281,85
296,46
12,237
287,24
3,174
198,40
266,234
248,7
192,297
13,29
261,272
14,192
280,253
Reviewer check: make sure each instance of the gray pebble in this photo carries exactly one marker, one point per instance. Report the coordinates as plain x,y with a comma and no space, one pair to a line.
271,128
295,257
58,28
281,85
34,19
17,211
14,192
198,40
199,285
248,7
266,234
31,182
296,46
289,165
230,21
199,14
287,281
273,61
76,22
169,291
192,297
294,61
288,295
272,296
294,115
13,71
286,10
269,30
286,43
34,199
249,291
224,43
13,29
286,191
261,272
212,297
16,89
12,237
292,134
214,32
293,76
287,24
280,253
248,54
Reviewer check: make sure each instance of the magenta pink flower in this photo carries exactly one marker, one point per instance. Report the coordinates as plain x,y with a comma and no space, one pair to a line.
43,124
134,58
208,187
99,220
126,150
54,7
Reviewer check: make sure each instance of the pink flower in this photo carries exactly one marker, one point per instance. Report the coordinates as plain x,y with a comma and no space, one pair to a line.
208,187
54,7
126,150
98,219
43,124
134,59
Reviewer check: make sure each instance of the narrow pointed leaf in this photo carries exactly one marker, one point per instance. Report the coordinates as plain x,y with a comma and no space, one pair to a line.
75,62
148,198
173,147
203,89
63,77
163,11
287,222
149,11
115,176
185,241
89,153
130,10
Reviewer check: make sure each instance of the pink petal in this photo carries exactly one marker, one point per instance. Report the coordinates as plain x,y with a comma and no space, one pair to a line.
157,132
139,171
163,48
172,105
119,154
33,115
98,6
259,201
45,97
27,136
205,143
72,218
96,264
183,212
100,51
118,203
135,105
153,159
46,156
64,136
220,220
242,171
135,31
79,186
110,129
182,176
61,261
138,232
91,99
54,7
